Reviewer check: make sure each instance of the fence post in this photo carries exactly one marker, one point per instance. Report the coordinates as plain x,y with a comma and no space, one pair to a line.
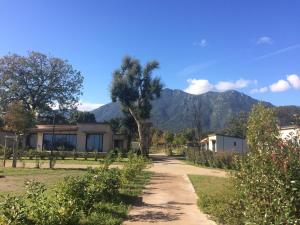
4,153
194,155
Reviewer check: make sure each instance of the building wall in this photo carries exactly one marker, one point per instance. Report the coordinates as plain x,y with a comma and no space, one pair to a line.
211,139
226,143
83,130
9,142
290,133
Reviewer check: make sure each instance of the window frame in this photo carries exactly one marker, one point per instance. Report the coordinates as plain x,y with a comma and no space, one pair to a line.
55,145
101,140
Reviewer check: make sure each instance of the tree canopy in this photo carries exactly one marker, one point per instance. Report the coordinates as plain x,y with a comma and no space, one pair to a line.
82,117
17,118
135,88
237,125
39,81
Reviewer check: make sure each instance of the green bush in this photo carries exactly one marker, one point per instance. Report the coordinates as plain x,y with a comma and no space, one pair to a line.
268,180
36,208
134,166
98,185
97,197
222,160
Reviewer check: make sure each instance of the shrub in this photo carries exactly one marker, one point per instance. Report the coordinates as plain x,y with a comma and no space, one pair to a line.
36,208
97,185
267,183
222,160
134,166
94,198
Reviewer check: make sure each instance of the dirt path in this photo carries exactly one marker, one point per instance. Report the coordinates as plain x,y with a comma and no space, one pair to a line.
169,198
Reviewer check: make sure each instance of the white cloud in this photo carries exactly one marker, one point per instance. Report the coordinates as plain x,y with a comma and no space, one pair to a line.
260,90
88,106
279,86
227,85
200,86
202,43
264,40
294,80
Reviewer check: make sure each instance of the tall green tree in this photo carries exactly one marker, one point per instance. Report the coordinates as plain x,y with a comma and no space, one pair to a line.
169,137
126,126
134,87
17,118
39,81
82,117
237,125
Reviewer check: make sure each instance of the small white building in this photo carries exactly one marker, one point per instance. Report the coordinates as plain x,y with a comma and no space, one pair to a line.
290,132
224,143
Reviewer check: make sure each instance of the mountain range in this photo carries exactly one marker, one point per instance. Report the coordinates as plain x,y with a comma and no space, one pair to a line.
175,110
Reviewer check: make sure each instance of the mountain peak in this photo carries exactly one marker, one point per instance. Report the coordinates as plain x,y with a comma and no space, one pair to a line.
173,111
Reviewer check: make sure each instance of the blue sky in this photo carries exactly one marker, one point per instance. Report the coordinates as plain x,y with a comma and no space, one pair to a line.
250,46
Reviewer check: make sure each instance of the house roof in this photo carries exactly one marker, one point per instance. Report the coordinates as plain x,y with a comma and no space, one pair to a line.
49,128
224,135
291,127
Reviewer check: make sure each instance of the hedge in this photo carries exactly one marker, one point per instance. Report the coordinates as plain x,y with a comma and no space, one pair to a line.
222,160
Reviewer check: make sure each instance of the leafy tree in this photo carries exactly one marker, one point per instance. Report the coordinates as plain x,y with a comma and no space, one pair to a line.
39,81
237,125
82,117
17,118
135,88
179,139
197,119
169,137
116,124
126,126
190,135
288,115
1,122
54,116
156,136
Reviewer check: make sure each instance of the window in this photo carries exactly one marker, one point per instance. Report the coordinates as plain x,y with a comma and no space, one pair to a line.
214,145
94,142
118,144
234,144
31,141
65,141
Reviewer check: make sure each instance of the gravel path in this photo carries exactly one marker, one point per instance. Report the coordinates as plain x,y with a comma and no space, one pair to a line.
169,198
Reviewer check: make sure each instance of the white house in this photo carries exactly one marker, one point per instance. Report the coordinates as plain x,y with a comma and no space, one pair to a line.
289,132
220,143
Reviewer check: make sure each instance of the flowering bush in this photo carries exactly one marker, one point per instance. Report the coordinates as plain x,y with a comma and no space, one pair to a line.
267,185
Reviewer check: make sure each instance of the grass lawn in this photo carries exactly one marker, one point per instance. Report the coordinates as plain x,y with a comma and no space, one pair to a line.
14,180
214,195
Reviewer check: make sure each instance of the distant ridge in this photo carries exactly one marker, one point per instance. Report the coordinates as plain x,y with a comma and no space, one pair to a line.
173,111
